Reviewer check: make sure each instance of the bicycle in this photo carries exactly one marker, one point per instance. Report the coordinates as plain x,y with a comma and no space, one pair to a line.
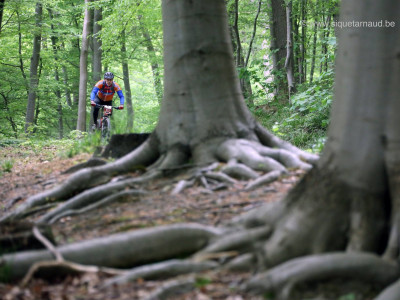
104,123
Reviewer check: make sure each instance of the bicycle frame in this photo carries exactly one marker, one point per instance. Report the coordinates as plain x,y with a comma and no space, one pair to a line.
104,123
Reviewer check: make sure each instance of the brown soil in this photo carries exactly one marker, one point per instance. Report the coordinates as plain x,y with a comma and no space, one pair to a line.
34,172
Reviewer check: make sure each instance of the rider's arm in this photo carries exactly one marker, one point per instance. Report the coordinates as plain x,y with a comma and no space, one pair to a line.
94,93
121,97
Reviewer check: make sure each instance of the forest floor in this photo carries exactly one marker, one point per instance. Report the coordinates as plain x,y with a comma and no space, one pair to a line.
35,171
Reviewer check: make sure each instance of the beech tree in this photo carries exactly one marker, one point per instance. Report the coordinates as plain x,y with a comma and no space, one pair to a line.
33,72
278,26
337,222
81,122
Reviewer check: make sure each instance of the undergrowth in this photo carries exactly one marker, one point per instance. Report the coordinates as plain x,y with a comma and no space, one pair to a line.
304,121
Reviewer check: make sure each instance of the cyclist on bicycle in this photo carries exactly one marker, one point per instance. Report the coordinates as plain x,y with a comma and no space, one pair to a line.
103,93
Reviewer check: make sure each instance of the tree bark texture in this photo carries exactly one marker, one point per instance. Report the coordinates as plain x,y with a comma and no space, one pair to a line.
289,62
358,174
200,65
81,123
278,48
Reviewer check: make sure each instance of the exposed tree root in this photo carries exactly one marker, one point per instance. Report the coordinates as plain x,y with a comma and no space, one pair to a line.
268,139
242,241
116,251
60,266
127,194
263,180
361,266
92,162
239,171
392,292
244,158
244,262
173,288
56,269
166,269
90,196
89,177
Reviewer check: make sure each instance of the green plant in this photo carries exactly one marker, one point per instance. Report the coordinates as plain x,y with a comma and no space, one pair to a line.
350,296
202,281
7,165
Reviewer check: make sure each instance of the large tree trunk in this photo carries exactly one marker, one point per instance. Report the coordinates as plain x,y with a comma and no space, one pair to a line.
81,123
346,201
34,80
189,51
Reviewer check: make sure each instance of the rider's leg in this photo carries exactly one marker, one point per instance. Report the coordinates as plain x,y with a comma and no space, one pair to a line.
96,109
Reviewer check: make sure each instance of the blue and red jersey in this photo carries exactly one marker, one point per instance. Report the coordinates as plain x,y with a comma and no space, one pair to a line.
106,93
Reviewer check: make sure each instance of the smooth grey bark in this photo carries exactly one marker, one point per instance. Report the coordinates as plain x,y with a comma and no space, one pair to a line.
173,240
127,84
211,103
278,48
81,122
352,180
34,80
289,62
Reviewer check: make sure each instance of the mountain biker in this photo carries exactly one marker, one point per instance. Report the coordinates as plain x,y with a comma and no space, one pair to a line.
103,93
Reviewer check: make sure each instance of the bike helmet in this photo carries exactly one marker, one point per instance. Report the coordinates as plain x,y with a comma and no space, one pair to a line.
108,75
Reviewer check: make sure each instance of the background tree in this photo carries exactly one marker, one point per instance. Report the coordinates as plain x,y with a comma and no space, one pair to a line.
97,51
278,43
81,123
34,80
1,12
127,85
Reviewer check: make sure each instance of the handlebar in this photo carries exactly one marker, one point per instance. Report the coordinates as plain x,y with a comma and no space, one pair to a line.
100,106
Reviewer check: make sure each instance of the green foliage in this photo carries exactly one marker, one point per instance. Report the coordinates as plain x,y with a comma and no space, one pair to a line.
202,281
350,296
305,121
7,165
80,142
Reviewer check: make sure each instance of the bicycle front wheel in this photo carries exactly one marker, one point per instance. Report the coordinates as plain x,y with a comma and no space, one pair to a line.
106,129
